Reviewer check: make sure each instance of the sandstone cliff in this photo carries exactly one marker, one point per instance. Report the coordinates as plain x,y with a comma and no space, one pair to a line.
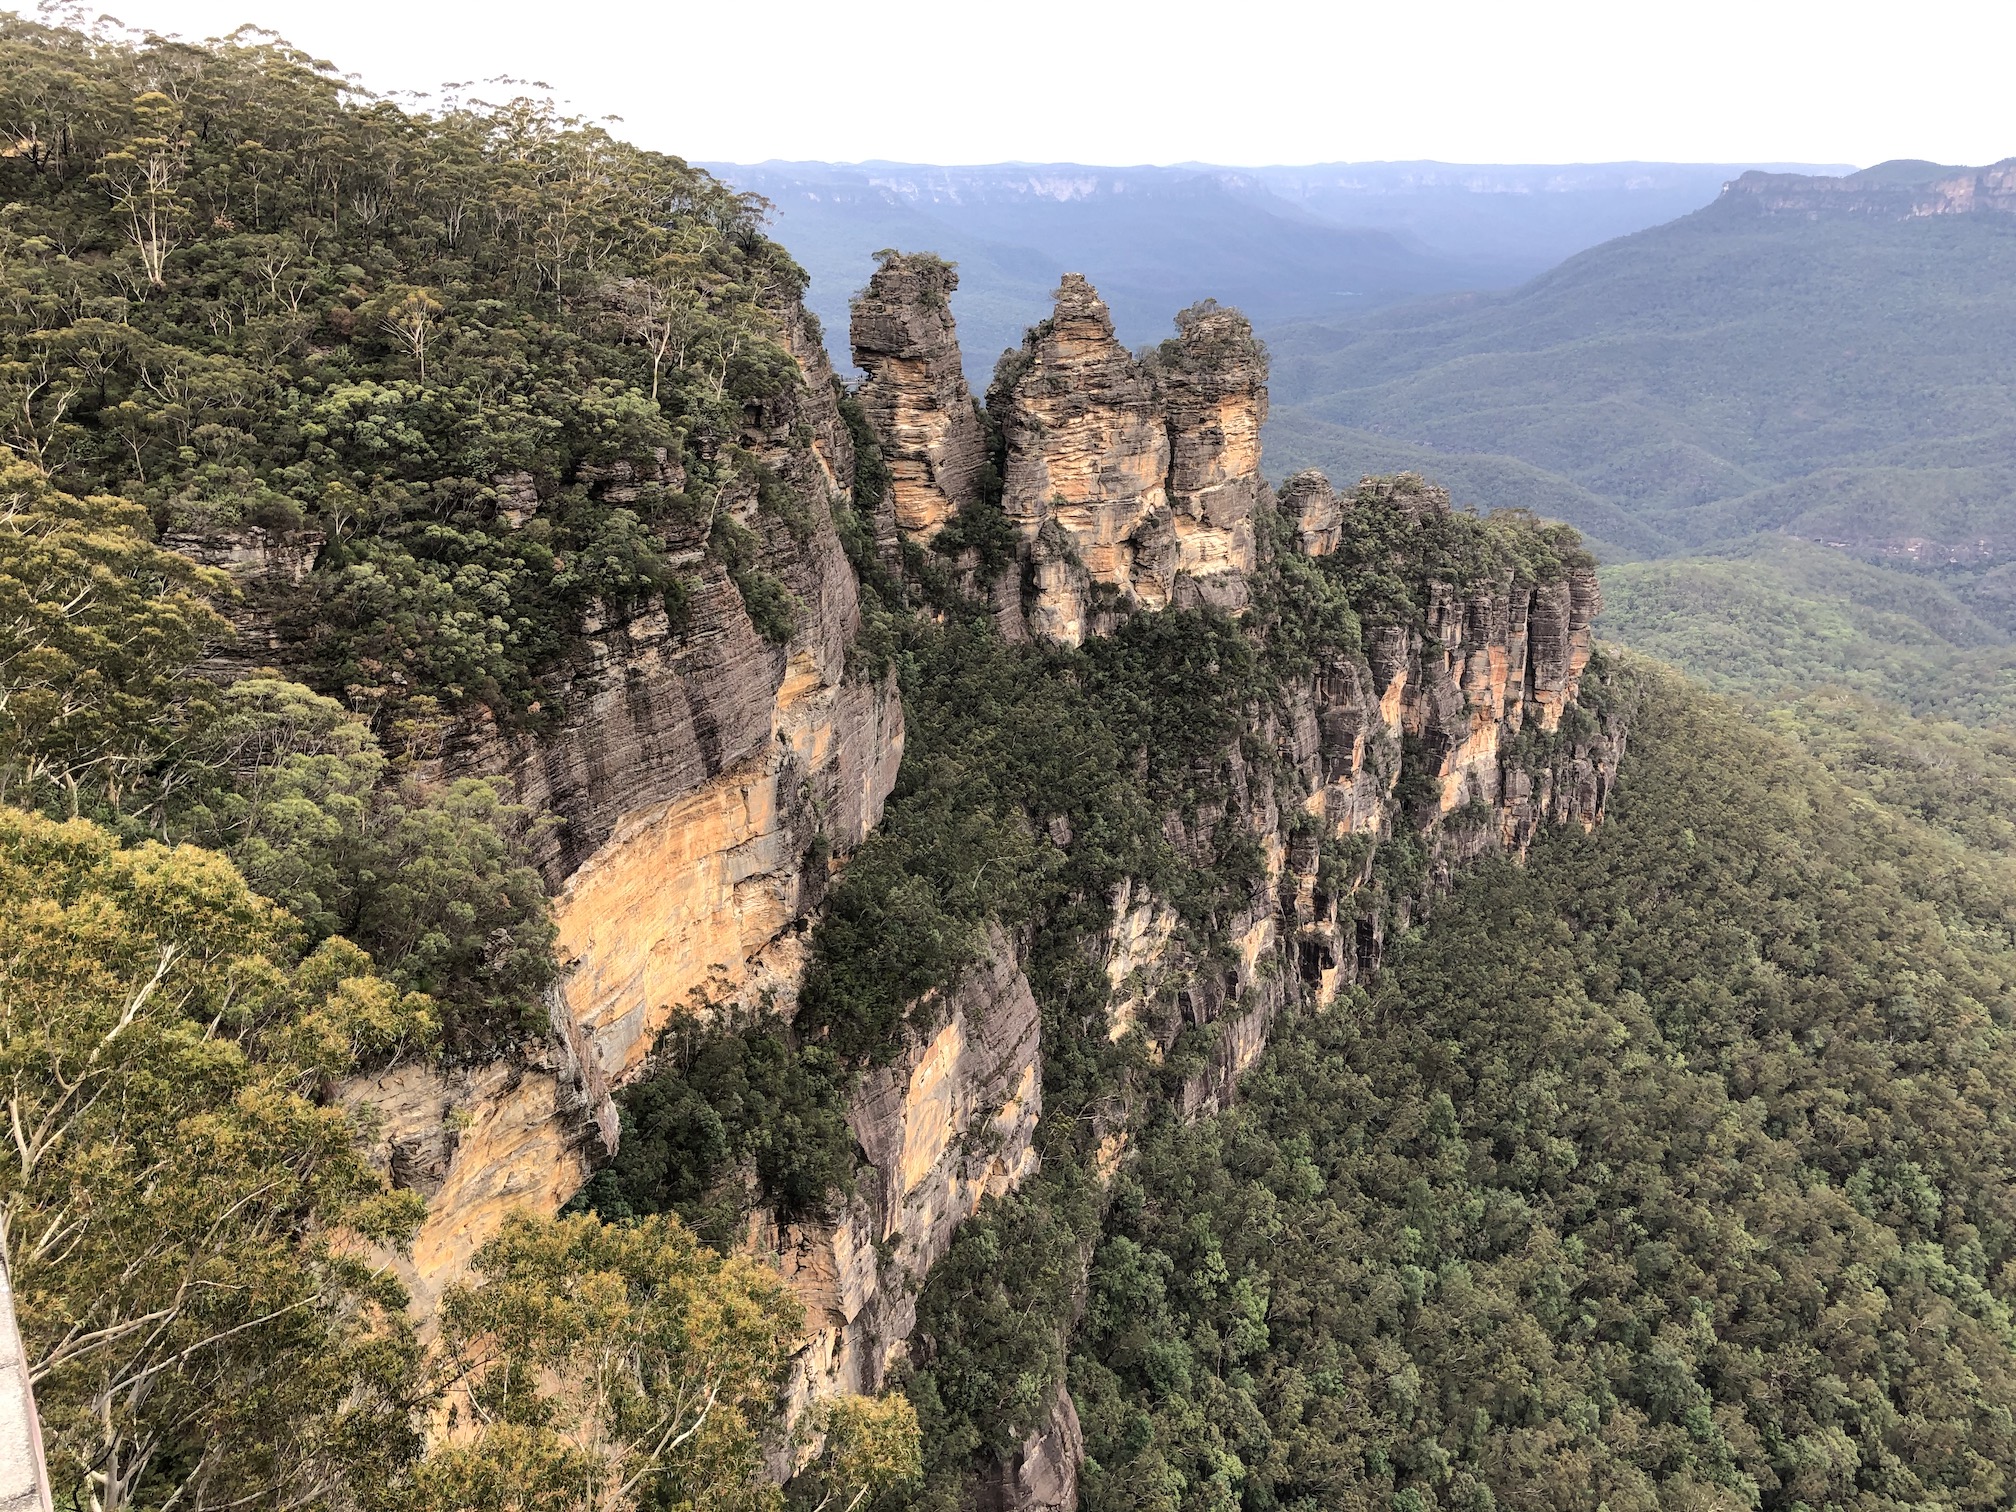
1889,191
949,1123
1133,486
1131,483
702,786
706,781
915,395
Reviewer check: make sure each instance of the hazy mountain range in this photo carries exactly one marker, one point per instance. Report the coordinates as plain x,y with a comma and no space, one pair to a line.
1281,243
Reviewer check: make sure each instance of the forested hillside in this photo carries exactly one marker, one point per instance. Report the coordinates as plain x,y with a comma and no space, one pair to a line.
1842,378
475,1039
1670,1170
252,311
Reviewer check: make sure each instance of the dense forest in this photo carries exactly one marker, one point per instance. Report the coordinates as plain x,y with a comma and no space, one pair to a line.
1670,1169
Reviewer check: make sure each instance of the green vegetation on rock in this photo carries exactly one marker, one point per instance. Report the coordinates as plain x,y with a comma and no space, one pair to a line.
1670,1170
481,374
223,307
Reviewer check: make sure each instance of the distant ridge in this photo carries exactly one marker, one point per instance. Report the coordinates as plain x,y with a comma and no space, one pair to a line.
1282,242
1901,189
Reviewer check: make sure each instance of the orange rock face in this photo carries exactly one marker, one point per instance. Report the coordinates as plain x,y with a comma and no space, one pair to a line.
1139,479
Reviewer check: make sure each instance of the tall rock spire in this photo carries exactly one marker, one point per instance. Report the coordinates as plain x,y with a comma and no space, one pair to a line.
915,394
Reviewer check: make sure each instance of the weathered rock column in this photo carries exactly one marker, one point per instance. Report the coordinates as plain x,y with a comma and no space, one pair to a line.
915,393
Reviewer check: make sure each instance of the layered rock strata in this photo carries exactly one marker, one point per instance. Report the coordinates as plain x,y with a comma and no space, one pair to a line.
1312,507
1133,486
1893,191
695,799
914,393
1452,697
268,567
949,1123
1132,483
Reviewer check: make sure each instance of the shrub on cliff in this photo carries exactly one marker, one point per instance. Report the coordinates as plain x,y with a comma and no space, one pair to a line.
101,714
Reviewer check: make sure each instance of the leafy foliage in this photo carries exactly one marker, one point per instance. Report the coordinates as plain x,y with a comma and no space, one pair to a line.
728,1102
1779,618
608,1366
240,293
237,296
181,1212
427,878
1669,1170
97,625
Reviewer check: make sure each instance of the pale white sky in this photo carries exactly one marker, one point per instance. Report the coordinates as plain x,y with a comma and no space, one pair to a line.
1232,81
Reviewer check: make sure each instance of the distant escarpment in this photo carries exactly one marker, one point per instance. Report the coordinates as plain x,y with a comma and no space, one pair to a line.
1898,190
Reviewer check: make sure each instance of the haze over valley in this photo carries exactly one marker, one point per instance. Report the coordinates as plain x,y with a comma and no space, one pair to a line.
1279,243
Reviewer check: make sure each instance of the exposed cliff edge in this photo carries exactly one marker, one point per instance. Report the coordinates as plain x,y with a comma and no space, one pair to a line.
704,784
950,1122
1899,190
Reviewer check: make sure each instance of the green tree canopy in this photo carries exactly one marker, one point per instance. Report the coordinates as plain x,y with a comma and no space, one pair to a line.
180,1210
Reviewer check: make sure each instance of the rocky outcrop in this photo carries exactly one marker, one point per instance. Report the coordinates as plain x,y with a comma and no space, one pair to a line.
1212,385
914,393
951,1122
1042,1476
1311,505
691,905
477,1142
1131,483
268,565
1472,696
1894,191
655,710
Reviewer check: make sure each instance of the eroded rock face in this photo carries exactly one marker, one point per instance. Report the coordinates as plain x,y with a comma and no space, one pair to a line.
915,394
1132,480
1312,506
267,565
1212,384
1483,666
696,799
1042,1476
952,1121
476,1143
690,906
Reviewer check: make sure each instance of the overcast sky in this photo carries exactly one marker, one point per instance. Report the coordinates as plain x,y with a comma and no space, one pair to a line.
1234,81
